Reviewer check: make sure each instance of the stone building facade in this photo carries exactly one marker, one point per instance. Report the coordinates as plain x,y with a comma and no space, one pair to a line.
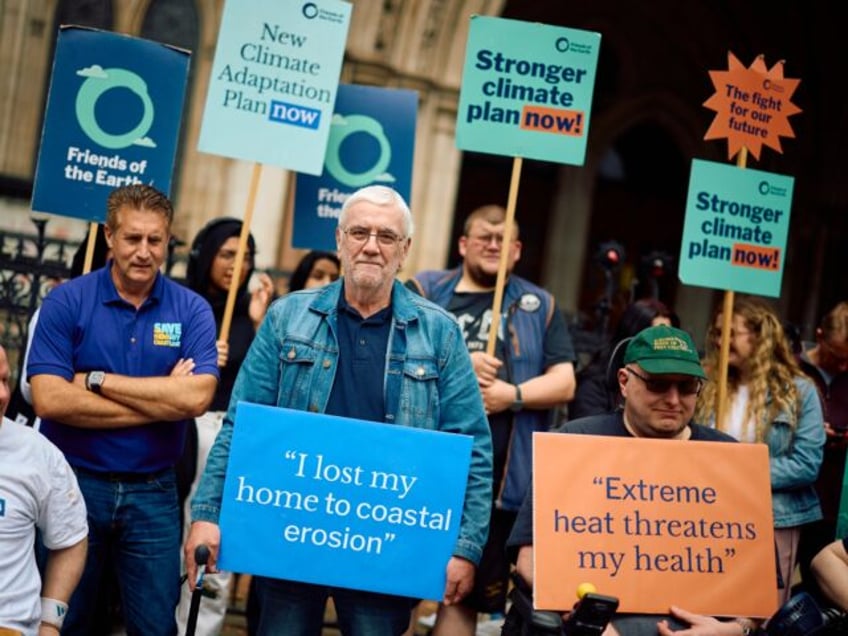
647,125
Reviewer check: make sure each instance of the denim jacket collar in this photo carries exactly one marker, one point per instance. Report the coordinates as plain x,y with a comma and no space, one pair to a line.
403,309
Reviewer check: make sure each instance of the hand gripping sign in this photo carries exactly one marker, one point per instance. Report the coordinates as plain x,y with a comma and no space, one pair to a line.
342,502
271,93
654,522
526,92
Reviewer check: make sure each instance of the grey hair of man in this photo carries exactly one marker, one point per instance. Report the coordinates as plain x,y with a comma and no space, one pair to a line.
382,196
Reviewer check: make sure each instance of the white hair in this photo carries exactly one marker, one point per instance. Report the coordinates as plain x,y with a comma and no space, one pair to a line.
382,196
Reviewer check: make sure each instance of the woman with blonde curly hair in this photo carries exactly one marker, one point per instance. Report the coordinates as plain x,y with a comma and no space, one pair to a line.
770,401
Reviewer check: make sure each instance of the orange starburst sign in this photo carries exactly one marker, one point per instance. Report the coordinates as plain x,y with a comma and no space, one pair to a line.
752,106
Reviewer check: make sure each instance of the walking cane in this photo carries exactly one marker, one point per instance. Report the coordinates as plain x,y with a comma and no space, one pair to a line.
201,556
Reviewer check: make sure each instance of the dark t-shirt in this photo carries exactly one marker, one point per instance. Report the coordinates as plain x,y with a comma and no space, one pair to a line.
473,312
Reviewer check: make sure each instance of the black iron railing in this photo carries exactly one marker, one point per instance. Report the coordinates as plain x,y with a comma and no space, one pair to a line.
30,266
33,264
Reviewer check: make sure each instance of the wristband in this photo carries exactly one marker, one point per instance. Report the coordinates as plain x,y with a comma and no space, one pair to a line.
53,612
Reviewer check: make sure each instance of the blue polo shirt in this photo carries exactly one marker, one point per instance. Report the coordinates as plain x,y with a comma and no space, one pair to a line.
84,325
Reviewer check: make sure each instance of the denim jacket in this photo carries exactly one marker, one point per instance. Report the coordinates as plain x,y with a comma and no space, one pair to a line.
525,360
795,458
292,363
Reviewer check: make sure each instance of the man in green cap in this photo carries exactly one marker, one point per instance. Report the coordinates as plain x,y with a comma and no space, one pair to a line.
659,381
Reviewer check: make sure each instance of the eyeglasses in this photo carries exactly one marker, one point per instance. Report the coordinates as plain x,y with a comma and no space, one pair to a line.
690,386
361,235
486,239
714,333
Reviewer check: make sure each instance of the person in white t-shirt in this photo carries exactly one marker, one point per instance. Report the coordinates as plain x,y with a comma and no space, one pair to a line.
38,489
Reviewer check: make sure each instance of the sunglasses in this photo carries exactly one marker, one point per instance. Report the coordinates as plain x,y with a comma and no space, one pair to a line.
690,386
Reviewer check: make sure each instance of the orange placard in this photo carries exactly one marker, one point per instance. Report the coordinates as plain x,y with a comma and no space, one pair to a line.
752,106
655,523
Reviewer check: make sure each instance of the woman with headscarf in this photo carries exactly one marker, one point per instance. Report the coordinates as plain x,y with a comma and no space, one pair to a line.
211,265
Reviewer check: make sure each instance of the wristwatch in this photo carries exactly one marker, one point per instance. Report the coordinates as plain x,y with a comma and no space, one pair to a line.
94,381
518,403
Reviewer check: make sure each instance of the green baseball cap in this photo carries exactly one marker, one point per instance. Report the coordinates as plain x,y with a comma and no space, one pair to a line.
664,349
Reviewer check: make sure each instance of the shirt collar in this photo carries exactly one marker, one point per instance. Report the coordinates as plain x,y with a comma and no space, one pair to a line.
110,294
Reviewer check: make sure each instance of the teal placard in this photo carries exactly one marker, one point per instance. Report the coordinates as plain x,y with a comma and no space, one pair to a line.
527,90
737,223
273,82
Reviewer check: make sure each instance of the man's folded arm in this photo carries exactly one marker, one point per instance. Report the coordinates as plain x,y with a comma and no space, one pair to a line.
166,398
124,400
56,398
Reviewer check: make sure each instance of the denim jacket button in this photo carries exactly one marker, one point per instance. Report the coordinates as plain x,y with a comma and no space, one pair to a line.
291,354
313,408
419,371
327,364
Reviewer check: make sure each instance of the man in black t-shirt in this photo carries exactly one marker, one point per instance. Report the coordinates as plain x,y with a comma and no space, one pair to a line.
530,373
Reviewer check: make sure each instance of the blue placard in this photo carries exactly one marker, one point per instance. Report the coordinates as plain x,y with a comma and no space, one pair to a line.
112,119
273,82
736,228
372,141
527,90
341,502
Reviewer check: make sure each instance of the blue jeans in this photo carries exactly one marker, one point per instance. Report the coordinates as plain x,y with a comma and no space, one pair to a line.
297,609
135,525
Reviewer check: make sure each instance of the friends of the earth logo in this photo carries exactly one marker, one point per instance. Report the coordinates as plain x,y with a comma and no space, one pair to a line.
167,334
109,170
311,10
